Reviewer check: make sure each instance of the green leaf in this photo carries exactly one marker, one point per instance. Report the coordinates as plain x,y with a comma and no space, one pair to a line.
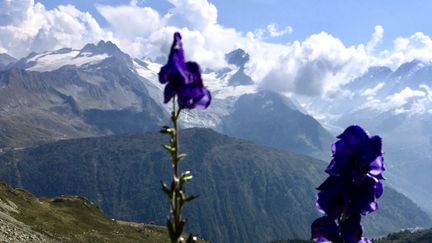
169,148
166,189
188,199
186,176
181,156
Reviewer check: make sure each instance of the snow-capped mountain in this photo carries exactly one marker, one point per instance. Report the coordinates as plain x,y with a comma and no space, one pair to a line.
74,93
101,90
90,54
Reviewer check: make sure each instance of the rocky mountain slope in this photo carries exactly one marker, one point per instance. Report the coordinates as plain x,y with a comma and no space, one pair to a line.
248,192
271,119
72,93
26,218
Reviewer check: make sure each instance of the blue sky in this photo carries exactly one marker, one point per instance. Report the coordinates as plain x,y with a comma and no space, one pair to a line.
352,21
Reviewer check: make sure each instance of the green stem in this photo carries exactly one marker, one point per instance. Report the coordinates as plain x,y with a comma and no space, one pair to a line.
175,115
176,193
175,158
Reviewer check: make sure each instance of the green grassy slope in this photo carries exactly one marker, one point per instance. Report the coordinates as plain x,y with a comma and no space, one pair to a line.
25,218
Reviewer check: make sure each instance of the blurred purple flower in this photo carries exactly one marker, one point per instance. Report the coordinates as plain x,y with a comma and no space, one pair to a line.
183,79
352,187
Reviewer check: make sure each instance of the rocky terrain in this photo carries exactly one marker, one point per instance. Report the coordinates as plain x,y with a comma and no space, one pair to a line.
26,218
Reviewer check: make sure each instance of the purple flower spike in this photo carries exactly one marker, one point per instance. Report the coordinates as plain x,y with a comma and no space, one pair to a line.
352,188
183,79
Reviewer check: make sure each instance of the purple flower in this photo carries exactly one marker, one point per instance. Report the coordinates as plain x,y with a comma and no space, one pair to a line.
353,186
183,79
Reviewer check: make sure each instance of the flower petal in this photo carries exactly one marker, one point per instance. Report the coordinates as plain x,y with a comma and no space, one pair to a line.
194,74
362,196
354,134
174,71
324,229
205,101
351,229
169,92
377,166
192,97
379,189
330,199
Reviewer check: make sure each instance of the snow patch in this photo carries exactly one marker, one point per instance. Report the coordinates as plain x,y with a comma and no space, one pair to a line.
52,61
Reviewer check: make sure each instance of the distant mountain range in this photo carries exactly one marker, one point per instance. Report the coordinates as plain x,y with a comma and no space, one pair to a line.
100,90
248,192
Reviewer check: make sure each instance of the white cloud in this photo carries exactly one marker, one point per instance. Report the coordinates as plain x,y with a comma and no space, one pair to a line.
318,65
193,14
258,34
428,91
27,26
372,91
271,31
417,46
402,98
125,26
150,34
274,32
376,38
408,101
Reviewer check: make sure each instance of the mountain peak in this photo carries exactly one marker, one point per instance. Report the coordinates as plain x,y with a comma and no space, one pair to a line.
237,57
6,59
101,47
409,67
378,70
107,45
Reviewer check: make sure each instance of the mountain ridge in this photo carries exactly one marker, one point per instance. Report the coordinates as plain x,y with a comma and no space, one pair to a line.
100,90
